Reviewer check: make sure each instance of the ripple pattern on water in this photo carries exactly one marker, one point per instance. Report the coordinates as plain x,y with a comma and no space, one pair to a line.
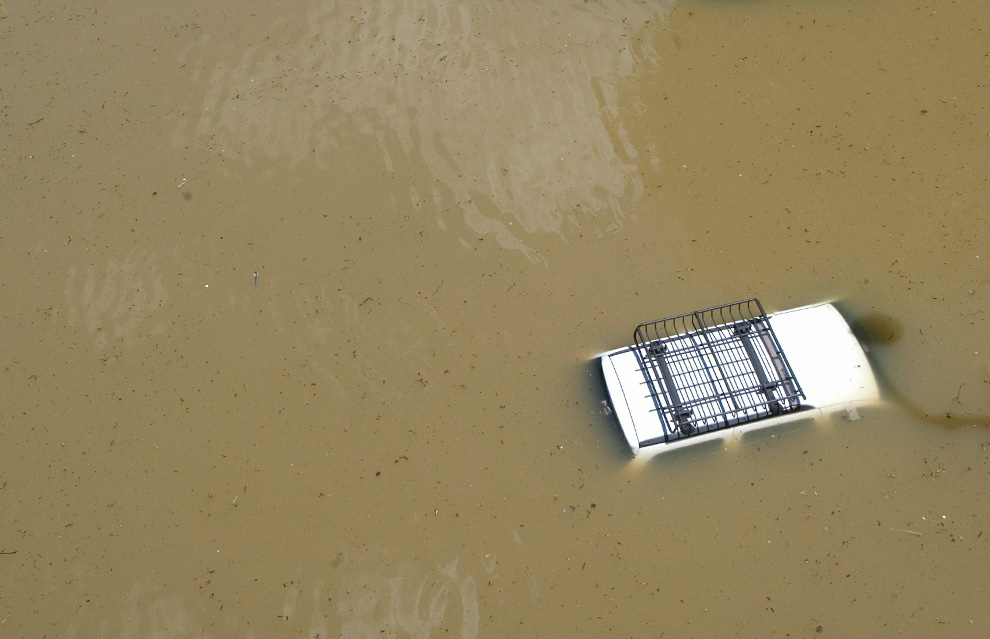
358,598
117,301
512,107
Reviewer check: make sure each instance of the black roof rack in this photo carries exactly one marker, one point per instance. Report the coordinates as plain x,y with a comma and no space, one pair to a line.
715,368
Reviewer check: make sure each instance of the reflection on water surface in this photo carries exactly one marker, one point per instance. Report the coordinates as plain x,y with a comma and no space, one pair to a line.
512,108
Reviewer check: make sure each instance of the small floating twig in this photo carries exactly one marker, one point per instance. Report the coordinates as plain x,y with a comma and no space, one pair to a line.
910,532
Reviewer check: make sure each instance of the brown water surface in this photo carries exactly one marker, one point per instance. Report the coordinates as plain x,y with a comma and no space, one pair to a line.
300,301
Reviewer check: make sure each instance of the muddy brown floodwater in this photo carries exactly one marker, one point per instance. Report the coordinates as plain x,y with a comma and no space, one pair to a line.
299,302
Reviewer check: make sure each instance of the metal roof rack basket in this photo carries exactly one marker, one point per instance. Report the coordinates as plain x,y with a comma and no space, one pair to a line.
715,368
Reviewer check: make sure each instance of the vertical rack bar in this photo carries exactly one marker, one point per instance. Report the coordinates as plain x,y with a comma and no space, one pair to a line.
681,414
742,329
780,364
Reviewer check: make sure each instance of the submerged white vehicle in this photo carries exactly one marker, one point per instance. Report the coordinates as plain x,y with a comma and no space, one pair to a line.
723,371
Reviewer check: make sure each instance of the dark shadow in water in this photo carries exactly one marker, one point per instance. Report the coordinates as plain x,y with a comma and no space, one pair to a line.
873,328
877,331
